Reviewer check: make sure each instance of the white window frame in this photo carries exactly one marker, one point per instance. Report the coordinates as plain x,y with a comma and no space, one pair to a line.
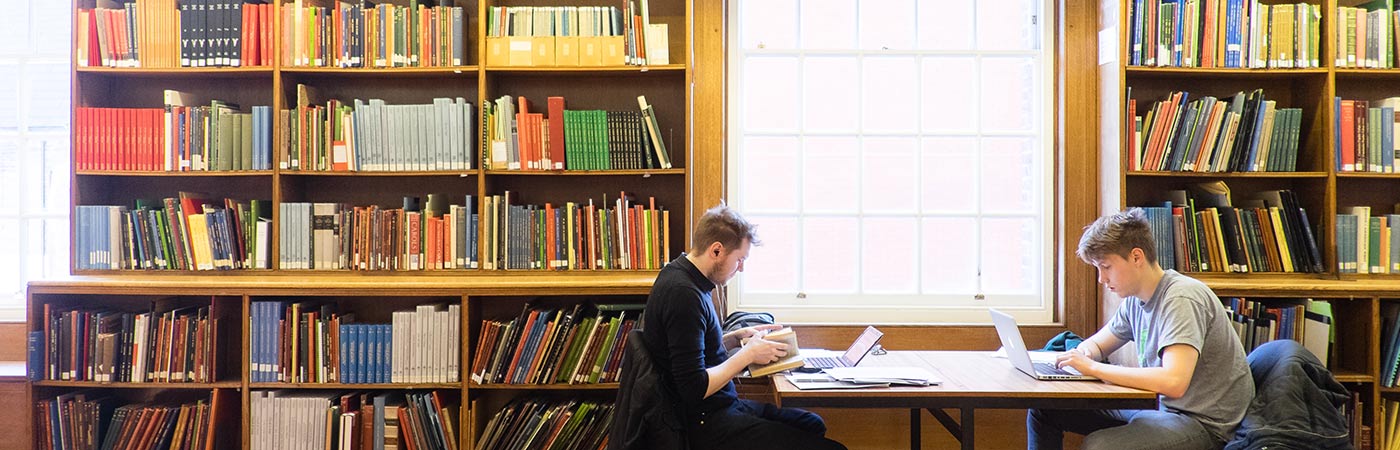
961,308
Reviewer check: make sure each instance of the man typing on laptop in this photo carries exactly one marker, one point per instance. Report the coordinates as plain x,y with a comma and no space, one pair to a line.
1187,352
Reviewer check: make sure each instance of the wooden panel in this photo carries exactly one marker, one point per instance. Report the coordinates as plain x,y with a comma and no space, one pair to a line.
13,340
14,409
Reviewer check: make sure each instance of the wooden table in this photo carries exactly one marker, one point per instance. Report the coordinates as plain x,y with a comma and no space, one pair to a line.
971,380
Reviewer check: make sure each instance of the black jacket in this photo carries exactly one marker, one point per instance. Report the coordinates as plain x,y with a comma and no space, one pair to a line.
647,417
1297,404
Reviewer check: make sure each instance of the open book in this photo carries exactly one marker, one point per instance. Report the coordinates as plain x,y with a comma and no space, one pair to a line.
792,360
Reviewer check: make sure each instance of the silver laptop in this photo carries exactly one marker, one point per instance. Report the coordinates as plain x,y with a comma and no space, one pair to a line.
853,355
1016,352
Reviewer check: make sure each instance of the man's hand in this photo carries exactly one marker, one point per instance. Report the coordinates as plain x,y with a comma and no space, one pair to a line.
737,337
763,351
1077,360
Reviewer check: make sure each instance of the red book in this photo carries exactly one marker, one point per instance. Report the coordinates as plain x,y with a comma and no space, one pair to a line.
94,47
523,136
556,132
1348,133
551,238
520,346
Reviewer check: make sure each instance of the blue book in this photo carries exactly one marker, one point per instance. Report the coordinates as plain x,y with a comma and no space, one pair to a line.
35,348
342,352
1233,35
1387,150
384,339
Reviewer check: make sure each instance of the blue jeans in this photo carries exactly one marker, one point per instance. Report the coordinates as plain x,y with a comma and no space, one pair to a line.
1123,429
761,426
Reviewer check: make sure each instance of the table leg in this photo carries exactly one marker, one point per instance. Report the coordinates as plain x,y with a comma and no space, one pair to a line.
915,442
967,437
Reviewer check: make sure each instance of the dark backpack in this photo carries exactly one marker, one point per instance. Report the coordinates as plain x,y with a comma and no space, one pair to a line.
741,319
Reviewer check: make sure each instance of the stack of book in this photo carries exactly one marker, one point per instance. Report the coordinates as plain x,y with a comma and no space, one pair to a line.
373,136
553,35
188,233
84,420
1223,33
307,343
176,345
1207,233
1365,38
1307,321
287,420
544,346
1368,248
179,137
576,236
572,140
541,423
1365,137
1243,134
336,236
157,33
363,34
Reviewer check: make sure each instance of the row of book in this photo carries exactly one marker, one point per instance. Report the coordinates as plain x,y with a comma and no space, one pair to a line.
183,138
575,236
532,422
1365,241
1365,38
335,236
86,420
1354,412
1307,321
572,140
285,420
301,342
643,42
1390,412
1206,233
190,232
363,34
374,136
1223,33
158,33
546,345
176,345
1246,133
1365,137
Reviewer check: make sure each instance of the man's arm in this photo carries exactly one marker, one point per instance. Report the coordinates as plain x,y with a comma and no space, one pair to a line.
757,350
1171,380
1100,345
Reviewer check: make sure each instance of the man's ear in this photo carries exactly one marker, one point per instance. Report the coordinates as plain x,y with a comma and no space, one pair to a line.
1138,255
716,249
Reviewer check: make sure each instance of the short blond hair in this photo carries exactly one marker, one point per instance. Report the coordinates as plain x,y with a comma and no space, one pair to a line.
1118,234
724,225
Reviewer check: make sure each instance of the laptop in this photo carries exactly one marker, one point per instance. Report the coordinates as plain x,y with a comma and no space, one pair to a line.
1016,352
853,355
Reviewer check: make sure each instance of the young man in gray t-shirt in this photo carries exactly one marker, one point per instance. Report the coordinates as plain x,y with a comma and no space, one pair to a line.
1187,352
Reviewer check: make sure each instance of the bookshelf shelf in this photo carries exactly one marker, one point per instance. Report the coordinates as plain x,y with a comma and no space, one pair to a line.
1229,175
545,387
1370,175
1346,376
191,174
389,71
357,386
586,173
1189,72
425,173
585,69
179,71
95,384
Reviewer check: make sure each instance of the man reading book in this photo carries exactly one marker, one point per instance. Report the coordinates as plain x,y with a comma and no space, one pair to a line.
684,334
1187,352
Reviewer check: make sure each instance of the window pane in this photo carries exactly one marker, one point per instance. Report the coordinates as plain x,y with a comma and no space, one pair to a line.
830,254
889,262
1009,255
829,175
46,178
9,97
14,28
769,175
945,24
827,24
770,24
11,277
1006,25
1009,178
949,94
770,95
890,180
46,250
772,267
1010,89
828,92
54,19
9,177
886,85
949,251
949,175
887,25
48,97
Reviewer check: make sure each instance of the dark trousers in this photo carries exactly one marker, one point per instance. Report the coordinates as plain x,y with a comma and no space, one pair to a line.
760,426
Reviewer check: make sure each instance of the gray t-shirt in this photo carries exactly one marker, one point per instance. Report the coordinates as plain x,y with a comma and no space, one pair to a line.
1183,310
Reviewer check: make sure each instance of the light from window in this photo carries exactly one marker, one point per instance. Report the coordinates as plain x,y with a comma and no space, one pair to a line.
896,155
34,147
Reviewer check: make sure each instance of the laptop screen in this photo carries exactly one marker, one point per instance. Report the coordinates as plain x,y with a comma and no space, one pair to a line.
862,345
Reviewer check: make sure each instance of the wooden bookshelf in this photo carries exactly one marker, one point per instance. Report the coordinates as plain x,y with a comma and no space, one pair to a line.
481,294
1323,190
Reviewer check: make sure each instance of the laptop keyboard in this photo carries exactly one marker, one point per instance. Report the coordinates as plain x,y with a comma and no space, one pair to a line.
1050,369
823,362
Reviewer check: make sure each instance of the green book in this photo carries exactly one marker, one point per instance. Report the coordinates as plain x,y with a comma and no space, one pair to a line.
614,326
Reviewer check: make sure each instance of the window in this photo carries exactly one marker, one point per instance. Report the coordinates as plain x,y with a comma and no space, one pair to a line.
897,156
34,157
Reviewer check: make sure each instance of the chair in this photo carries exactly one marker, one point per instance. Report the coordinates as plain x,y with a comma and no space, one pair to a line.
1297,403
646,415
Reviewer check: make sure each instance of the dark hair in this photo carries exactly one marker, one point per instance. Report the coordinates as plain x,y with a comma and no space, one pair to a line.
724,225
1117,234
